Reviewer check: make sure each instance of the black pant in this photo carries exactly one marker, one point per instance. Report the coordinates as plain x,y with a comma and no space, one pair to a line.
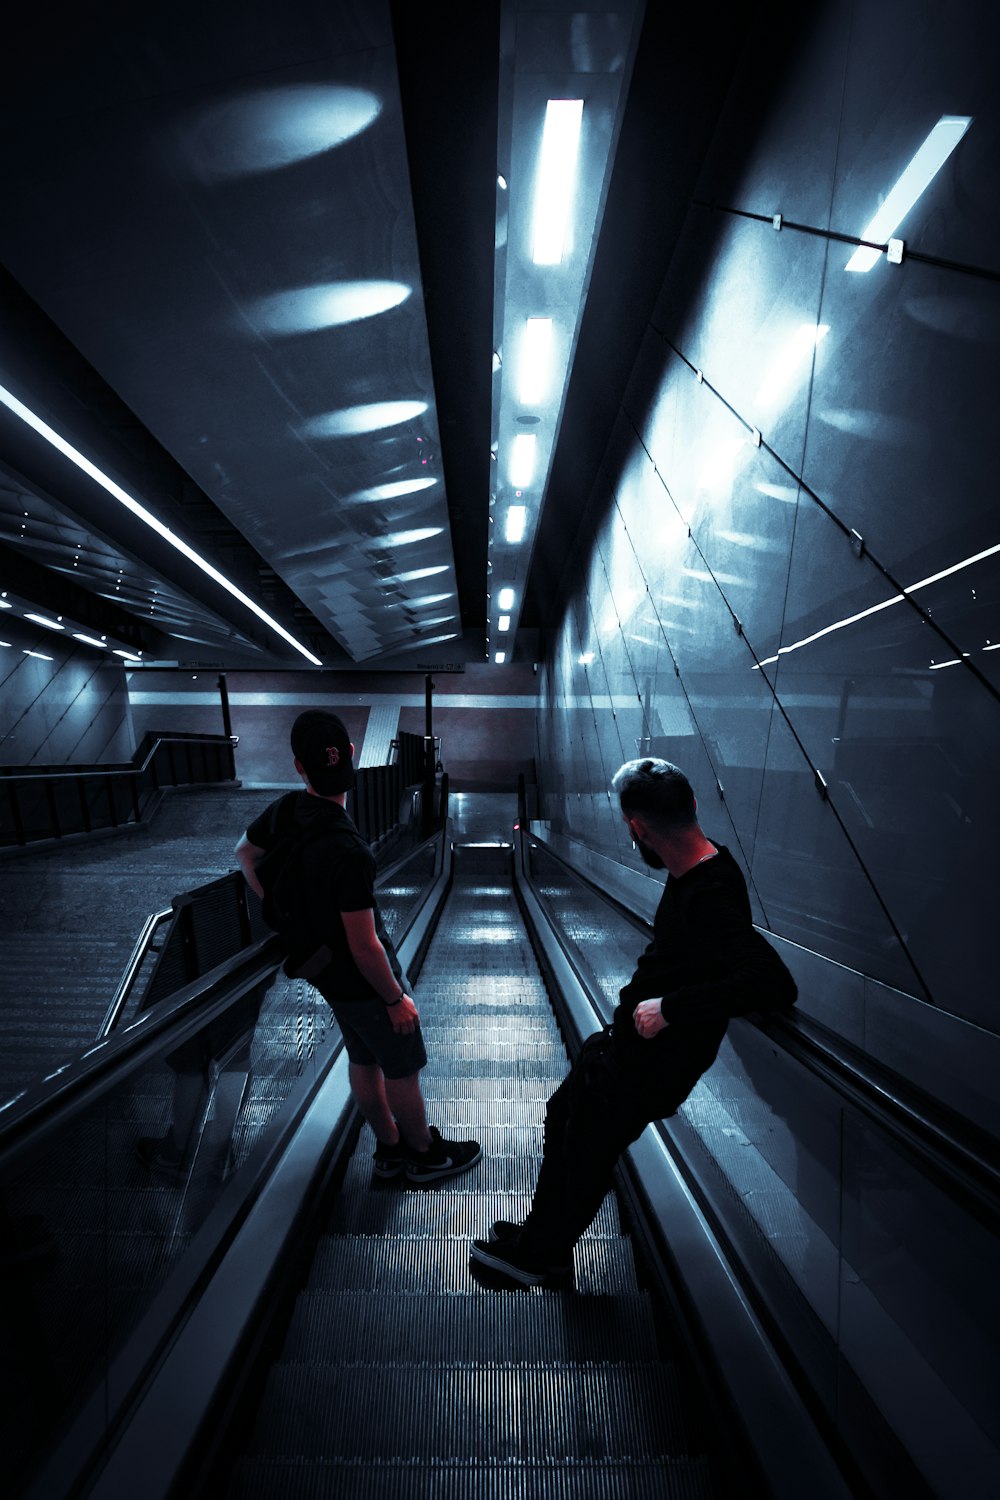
601,1106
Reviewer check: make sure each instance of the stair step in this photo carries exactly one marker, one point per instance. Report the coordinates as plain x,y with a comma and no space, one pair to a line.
390,1208
321,1479
348,1327
441,1411
425,1263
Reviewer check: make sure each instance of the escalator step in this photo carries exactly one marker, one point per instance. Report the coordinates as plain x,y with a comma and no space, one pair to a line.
297,1479
421,1263
386,1209
481,1090
507,1413
352,1326
514,1066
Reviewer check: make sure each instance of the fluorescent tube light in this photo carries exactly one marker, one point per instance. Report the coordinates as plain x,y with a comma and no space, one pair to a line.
49,624
505,598
8,399
556,180
917,176
504,622
586,658
522,460
500,657
128,655
789,362
517,515
535,367
88,640
40,655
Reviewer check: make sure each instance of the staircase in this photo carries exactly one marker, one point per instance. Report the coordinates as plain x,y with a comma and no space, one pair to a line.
401,1375
71,914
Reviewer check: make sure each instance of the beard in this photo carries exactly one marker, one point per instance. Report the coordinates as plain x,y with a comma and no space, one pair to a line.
649,856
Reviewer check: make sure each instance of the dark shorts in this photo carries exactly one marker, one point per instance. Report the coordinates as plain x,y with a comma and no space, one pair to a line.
371,1041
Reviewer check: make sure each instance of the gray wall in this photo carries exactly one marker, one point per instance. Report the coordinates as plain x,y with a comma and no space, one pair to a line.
733,626
70,709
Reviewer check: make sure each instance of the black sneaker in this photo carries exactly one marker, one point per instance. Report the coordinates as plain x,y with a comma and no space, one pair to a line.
442,1159
388,1161
504,1231
507,1257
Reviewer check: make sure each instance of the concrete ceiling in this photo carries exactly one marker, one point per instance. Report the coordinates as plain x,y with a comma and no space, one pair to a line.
249,256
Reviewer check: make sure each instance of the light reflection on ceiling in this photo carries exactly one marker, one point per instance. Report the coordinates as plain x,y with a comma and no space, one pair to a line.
274,128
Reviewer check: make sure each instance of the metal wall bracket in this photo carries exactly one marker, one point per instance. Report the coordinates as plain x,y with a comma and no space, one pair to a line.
857,544
821,785
776,221
894,252
738,625
755,437
699,375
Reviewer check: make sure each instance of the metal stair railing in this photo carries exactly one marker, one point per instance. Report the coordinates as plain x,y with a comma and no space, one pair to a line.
42,803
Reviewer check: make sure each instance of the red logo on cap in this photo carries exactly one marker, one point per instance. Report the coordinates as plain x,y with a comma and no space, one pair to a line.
332,755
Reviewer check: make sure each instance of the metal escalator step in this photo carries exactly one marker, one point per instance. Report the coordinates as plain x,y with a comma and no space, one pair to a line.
491,1174
514,1066
389,1209
508,1413
424,1263
459,1049
503,1090
299,1479
352,1327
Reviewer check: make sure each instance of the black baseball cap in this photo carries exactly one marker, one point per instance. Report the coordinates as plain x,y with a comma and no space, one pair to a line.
321,744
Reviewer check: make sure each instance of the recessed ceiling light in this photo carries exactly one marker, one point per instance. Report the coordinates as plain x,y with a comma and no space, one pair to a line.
40,654
500,657
517,516
535,364
88,640
556,180
49,624
522,461
505,598
128,655
415,573
503,623
916,177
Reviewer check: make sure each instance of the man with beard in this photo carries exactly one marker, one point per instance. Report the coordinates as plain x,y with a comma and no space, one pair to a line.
705,964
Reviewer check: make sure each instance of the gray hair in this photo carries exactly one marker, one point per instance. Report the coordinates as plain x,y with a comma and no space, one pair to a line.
658,790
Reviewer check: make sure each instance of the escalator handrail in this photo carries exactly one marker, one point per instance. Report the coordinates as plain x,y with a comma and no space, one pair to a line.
79,1082
122,768
961,1157
144,942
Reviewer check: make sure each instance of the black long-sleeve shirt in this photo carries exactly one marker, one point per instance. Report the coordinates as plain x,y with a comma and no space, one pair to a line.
706,963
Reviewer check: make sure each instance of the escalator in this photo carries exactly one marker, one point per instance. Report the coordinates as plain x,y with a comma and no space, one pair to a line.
400,1370
329,1336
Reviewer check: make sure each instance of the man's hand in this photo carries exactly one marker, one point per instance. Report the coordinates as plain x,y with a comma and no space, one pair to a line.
648,1018
403,1015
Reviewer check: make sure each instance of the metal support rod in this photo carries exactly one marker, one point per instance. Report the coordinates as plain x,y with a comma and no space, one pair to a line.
227,723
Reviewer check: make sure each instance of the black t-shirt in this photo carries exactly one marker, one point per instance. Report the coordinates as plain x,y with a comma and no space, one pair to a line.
707,963
337,874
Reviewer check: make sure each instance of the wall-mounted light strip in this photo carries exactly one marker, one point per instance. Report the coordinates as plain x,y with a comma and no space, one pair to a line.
8,399
556,180
915,179
875,609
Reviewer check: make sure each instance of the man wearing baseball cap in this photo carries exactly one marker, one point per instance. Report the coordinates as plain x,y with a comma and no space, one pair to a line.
355,967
